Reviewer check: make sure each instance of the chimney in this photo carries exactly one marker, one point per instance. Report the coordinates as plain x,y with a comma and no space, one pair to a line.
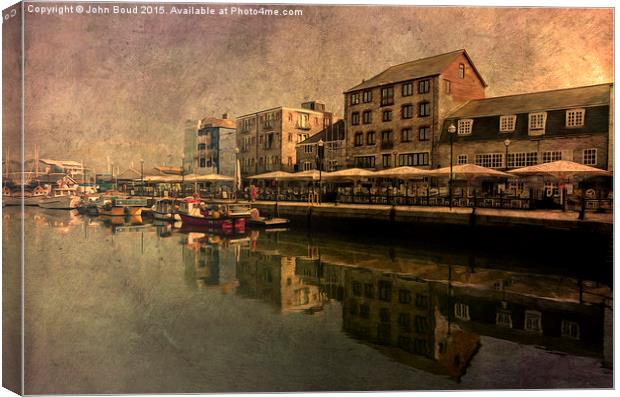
225,116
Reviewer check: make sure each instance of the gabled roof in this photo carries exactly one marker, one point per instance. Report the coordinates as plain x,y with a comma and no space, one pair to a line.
62,163
566,98
129,173
335,132
419,68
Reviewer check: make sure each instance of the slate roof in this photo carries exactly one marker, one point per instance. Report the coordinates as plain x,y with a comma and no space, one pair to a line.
566,98
334,132
419,68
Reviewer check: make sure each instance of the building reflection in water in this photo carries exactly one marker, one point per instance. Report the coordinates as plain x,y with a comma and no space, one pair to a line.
429,316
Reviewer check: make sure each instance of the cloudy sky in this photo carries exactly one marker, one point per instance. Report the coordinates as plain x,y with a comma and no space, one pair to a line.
101,86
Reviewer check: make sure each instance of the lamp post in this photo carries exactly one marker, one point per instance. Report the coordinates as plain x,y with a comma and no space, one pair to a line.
183,173
142,175
237,174
451,131
320,154
506,144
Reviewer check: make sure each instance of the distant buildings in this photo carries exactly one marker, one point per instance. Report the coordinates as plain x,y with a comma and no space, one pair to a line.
393,118
521,130
333,139
210,146
267,139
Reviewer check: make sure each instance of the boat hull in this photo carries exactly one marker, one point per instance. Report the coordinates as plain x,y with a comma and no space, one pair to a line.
60,203
224,224
33,200
120,211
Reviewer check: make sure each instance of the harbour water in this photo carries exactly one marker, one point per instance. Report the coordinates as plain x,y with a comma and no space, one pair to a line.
122,306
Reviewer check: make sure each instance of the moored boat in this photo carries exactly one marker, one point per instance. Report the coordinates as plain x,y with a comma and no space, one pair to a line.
116,206
61,199
35,197
165,209
224,217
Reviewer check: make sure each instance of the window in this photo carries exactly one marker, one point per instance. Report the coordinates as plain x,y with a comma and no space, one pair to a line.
356,287
533,321
404,296
424,133
386,160
461,311
355,118
447,85
384,315
461,70
359,139
289,161
575,118
387,96
503,318
404,321
424,86
405,135
421,324
465,127
407,89
386,137
385,291
461,159
536,125
202,146
522,159
370,138
308,148
383,333
365,162
367,117
364,311
421,301
369,291
589,156
290,137
424,109
420,346
355,98
307,166
353,309
507,123
387,115
404,342
414,159
367,96
550,156
406,111
302,137
490,160
570,329
203,162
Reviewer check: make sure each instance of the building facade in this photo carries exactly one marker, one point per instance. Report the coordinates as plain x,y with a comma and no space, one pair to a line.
394,118
521,130
210,146
333,140
267,139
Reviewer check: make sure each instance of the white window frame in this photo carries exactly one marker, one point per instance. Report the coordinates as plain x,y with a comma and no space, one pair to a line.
521,159
461,311
461,159
550,156
490,160
507,123
533,321
584,156
537,123
465,126
575,118
570,329
503,318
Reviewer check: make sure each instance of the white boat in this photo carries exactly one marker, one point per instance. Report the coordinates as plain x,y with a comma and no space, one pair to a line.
165,209
62,199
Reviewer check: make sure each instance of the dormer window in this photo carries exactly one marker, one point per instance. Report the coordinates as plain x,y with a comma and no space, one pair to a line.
537,123
575,118
465,126
507,123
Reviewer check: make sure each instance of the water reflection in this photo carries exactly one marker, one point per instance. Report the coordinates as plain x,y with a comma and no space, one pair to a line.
427,310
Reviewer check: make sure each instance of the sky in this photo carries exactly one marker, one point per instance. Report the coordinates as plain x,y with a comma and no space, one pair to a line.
122,86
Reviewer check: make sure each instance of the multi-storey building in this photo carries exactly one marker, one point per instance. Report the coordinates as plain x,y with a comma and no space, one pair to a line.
527,129
333,141
393,118
210,146
267,139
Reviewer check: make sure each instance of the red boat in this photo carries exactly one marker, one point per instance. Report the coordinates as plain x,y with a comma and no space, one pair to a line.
225,217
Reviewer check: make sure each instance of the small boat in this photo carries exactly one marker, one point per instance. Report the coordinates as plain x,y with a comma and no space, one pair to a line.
165,209
268,222
88,205
225,217
117,206
62,199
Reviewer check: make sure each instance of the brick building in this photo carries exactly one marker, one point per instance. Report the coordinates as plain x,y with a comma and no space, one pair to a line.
210,146
267,139
393,118
527,129
334,149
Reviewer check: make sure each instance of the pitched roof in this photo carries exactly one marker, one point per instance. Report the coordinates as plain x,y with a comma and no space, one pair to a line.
334,132
419,68
565,98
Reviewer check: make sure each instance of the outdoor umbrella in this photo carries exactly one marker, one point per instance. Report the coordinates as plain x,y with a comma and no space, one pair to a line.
275,175
350,173
208,178
306,175
561,169
469,171
404,172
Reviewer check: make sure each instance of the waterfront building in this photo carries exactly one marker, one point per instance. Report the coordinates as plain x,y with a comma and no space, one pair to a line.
210,146
516,131
267,139
333,142
394,118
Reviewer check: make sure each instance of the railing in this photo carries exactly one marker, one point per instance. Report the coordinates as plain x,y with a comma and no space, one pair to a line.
503,202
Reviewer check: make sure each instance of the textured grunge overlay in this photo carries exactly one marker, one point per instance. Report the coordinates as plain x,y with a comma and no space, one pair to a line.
121,86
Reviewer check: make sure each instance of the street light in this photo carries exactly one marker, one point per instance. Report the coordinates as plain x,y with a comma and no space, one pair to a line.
320,154
237,174
451,132
142,175
506,144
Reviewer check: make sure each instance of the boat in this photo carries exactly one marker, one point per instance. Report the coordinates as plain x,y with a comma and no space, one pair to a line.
268,222
35,197
224,217
118,206
165,209
88,205
61,199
